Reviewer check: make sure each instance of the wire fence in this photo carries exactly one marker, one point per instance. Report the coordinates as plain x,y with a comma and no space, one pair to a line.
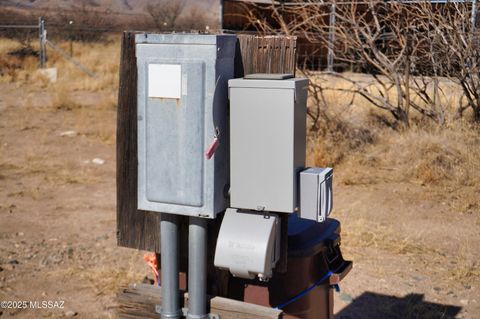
314,51
44,42
18,26
69,58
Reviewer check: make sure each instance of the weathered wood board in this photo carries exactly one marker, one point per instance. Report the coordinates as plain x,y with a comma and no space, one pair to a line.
139,300
268,54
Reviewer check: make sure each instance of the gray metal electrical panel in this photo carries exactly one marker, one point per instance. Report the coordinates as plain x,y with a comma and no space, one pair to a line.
316,193
182,114
268,137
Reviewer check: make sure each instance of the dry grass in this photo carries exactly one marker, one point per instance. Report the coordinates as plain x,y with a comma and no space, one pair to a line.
61,99
362,233
90,122
74,91
356,135
435,156
337,91
370,149
357,139
444,161
103,279
100,58
333,144
353,123
458,266
53,172
7,45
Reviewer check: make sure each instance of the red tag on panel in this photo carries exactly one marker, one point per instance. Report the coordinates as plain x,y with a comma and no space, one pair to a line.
212,148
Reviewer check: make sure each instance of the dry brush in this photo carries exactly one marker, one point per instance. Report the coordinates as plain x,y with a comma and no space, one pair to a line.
408,49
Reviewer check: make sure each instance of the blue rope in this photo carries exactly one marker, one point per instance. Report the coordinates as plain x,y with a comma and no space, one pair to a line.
306,291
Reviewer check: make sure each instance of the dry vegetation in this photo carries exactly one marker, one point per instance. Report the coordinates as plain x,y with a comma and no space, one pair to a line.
88,98
348,129
100,57
60,128
409,49
414,118
369,150
425,162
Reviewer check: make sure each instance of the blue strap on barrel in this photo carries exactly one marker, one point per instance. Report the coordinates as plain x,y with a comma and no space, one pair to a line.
305,292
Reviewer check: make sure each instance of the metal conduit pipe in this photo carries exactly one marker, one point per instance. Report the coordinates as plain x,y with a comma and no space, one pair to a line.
169,267
197,268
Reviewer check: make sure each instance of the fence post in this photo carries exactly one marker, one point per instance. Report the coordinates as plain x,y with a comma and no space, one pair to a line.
474,15
331,39
41,37
221,10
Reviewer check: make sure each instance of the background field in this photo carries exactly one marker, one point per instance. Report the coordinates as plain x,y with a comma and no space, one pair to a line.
408,199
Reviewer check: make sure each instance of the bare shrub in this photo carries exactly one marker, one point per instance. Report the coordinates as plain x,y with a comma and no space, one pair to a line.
330,146
82,23
194,19
427,156
13,16
407,48
165,14
455,41
333,133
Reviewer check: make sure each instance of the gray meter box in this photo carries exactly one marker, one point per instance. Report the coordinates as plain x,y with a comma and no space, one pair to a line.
267,136
182,109
316,193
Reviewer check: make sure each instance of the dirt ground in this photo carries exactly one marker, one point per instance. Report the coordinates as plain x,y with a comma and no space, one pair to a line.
416,255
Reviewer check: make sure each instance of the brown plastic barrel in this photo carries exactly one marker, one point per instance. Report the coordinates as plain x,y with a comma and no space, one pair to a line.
308,262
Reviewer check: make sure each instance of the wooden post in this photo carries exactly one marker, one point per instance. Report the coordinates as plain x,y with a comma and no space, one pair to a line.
135,229
221,9
474,15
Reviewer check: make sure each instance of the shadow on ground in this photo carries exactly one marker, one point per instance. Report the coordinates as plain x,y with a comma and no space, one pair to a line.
376,306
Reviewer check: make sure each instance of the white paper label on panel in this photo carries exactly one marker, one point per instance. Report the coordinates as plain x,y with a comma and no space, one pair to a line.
165,81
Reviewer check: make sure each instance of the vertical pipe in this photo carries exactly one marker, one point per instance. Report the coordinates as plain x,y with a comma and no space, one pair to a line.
169,265
474,15
331,39
41,43
44,44
197,268
221,13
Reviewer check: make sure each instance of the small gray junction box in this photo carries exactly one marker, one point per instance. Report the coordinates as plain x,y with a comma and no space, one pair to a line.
182,113
316,193
267,141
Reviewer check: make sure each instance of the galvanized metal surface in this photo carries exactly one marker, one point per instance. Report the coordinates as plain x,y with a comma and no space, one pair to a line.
173,134
42,38
169,264
197,269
